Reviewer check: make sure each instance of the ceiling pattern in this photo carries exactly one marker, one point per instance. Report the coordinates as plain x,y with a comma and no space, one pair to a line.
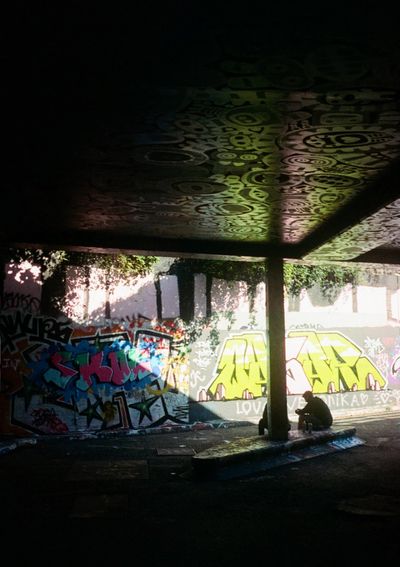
242,170
380,230
240,139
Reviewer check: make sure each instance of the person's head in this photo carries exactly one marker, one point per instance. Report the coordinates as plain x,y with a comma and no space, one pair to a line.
308,395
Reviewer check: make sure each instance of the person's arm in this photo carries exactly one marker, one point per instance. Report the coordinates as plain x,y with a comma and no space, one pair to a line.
304,410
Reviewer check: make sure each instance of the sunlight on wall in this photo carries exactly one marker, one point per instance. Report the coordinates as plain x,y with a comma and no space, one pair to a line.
200,301
127,297
231,296
133,297
169,289
260,307
84,302
24,275
371,299
97,294
395,305
76,300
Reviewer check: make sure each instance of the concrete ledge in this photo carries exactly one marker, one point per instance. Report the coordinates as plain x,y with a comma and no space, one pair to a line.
259,453
12,444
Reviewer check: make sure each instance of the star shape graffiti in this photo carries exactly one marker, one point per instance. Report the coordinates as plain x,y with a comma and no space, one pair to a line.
91,412
144,407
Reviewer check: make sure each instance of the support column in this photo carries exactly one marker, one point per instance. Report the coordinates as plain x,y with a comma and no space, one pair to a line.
277,399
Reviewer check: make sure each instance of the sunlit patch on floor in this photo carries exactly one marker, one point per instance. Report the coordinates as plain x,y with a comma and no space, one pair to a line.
254,468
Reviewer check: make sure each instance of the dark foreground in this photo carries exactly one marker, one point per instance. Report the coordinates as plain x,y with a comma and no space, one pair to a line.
135,498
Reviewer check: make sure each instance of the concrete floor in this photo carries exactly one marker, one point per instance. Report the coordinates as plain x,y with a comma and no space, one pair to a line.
136,497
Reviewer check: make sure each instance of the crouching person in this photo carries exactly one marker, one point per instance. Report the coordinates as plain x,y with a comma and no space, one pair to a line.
315,414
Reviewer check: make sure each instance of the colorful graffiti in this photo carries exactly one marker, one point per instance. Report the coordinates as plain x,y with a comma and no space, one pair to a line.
60,378
322,361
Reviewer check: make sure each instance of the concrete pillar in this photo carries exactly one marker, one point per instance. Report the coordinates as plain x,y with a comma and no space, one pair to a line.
277,401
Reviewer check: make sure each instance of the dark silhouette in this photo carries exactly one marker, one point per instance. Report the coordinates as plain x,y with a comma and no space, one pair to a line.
315,414
263,423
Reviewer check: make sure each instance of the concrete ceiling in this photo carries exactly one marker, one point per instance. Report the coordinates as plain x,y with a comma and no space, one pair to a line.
185,130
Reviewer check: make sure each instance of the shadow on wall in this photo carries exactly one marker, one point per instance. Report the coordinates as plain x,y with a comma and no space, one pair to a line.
142,302
156,297
90,302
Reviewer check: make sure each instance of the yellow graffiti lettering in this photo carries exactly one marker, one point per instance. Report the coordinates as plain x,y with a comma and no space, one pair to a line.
158,392
329,362
365,368
330,359
242,367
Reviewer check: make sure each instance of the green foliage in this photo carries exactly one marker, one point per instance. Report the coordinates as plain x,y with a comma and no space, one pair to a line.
53,264
115,265
194,329
330,278
297,276
49,261
250,272
119,265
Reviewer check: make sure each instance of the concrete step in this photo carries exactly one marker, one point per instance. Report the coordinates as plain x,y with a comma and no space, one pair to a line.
252,455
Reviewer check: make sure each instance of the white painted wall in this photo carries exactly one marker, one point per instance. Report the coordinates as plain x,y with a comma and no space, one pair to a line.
371,299
130,299
169,297
134,298
200,302
230,297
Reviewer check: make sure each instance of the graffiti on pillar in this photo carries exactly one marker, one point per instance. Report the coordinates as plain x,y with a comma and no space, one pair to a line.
321,361
61,378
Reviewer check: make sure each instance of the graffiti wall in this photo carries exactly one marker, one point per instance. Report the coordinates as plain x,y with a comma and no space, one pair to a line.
322,361
352,368
59,375
58,378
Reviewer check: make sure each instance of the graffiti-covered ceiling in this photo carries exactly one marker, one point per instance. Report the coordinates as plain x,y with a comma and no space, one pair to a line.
186,130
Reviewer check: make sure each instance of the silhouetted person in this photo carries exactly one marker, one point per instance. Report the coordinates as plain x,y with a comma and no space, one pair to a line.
263,423
315,414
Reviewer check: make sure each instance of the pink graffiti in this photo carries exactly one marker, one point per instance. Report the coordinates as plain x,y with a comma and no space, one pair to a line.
95,366
120,368
48,418
56,359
